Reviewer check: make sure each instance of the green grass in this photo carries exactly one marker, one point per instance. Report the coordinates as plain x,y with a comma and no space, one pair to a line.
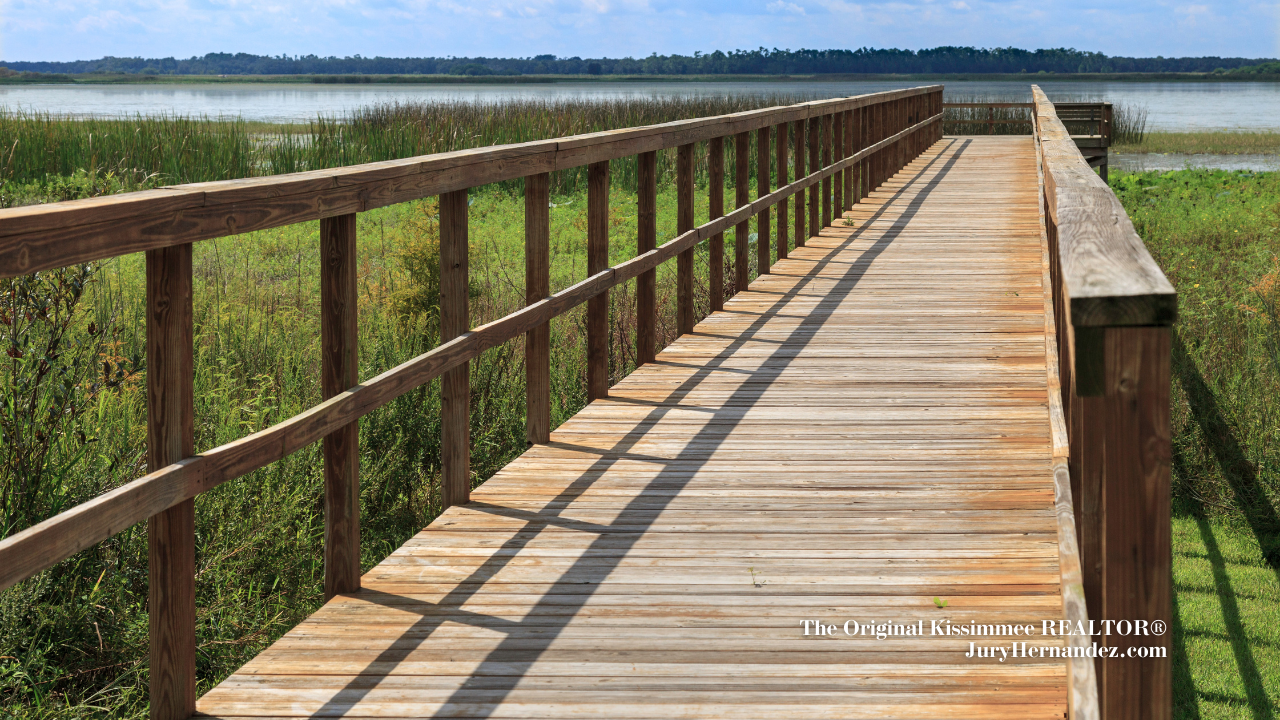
37,150
1216,236
1226,642
73,639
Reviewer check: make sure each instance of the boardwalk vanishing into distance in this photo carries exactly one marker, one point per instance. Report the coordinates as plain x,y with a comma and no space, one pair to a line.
864,429
942,407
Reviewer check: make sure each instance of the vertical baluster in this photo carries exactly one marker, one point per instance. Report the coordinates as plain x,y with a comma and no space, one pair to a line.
741,231
171,437
646,240
455,384
802,153
763,256
537,285
340,372
848,152
781,151
826,162
837,154
864,140
715,201
815,164
684,223
597,262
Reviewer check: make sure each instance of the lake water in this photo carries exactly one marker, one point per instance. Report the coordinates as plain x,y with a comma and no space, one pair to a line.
1172,106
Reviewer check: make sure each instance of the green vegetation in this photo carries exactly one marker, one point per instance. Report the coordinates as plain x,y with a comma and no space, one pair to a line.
1226,645
1217,237
1213,143
762,61
73,639
42,153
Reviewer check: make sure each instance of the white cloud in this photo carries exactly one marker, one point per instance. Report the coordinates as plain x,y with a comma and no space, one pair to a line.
86,29
780,6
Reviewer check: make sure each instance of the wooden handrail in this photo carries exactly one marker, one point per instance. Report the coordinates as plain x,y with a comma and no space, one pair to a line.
166,222
40,546
41,237
1113,310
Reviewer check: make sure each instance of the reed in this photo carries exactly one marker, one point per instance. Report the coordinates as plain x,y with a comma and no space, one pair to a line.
38,151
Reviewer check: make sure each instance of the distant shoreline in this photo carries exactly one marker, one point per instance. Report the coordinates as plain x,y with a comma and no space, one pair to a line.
341,79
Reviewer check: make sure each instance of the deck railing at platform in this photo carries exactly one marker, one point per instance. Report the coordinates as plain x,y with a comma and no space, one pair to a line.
1113,311
843,149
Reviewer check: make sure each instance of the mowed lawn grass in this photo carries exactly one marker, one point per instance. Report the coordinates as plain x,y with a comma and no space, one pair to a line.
1226,642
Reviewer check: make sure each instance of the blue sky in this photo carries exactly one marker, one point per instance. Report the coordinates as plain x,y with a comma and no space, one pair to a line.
86,29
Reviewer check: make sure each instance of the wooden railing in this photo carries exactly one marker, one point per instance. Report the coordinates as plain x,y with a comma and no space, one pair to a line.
844,148
1113,311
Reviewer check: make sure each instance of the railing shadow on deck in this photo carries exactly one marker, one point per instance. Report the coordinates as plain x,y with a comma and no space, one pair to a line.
869,136
592,574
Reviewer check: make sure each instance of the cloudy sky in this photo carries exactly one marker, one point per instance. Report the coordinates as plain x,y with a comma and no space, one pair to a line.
86,29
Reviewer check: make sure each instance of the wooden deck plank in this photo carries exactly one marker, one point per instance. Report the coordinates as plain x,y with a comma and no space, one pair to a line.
863,429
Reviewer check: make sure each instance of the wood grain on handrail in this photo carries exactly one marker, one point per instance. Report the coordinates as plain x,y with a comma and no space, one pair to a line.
41,237
40,546
1109,277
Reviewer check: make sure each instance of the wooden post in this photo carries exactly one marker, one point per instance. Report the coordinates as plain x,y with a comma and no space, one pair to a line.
849,150
781,152
825,143
597,262
741,231
1121,450
171,535
763,256
537,285
801,154
455,384
815,163
864,140
340,358
684,223
837,154
646,240
853,193
715,202
991,121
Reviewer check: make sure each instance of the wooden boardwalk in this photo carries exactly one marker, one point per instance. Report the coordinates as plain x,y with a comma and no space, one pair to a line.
864,429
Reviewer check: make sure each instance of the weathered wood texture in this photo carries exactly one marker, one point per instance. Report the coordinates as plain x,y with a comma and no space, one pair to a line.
455,384
537,285
27,552
340,371
833,446
742,196
1110,278
597,262
646,240
171,534
1113,309
764,256
715,209
801,154
684,223
782,152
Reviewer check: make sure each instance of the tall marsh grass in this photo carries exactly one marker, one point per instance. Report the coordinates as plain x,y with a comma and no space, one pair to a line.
151,151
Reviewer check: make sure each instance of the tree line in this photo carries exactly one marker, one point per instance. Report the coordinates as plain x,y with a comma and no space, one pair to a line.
940,60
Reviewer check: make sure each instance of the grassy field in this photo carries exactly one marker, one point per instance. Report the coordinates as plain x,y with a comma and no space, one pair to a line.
1216,236
73,639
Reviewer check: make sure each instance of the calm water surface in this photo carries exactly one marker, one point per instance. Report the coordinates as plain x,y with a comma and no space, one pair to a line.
1172,106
